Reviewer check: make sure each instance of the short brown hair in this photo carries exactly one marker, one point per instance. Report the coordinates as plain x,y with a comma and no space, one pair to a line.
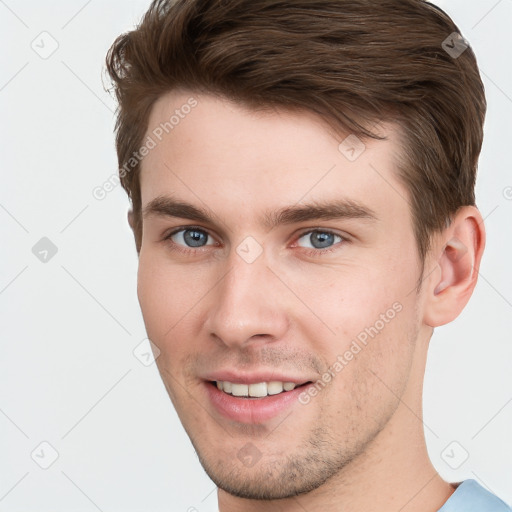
353,62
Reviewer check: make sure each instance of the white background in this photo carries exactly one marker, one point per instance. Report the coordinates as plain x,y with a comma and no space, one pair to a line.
69,326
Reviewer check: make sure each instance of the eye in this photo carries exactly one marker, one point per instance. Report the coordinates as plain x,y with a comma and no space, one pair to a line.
189,237
319,239
193,238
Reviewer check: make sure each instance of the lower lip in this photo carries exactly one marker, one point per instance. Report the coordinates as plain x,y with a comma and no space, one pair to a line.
255,410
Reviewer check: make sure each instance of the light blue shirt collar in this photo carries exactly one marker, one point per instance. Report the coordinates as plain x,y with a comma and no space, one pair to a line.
470,496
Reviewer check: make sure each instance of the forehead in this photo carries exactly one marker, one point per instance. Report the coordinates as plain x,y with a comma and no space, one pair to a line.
211,152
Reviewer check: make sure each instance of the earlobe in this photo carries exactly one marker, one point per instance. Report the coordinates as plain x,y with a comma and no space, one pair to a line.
459,249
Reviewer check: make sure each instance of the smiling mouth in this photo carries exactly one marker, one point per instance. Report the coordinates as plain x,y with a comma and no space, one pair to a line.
256,390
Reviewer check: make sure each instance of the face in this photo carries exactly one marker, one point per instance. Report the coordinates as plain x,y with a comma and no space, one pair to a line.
272,259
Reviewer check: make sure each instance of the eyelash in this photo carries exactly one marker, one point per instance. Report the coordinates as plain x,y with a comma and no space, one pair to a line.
308,252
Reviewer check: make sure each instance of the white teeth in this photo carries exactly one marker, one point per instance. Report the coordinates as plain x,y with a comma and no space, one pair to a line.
274,388
256,390
240,389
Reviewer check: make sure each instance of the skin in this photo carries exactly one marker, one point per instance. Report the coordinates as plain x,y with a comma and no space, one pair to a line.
359,443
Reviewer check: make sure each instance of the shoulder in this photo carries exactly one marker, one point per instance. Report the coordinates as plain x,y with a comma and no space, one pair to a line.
470,496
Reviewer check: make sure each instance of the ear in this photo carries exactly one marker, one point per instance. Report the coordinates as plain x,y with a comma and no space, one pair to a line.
131,220
455,256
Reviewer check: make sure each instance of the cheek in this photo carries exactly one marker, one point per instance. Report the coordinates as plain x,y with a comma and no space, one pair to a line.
170,298
149,289
372,320
371,376
354,298
162,295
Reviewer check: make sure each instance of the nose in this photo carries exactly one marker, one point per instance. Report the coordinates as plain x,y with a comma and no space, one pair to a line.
247,305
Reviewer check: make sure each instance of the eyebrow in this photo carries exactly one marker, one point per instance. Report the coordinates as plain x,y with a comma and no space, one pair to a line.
165,206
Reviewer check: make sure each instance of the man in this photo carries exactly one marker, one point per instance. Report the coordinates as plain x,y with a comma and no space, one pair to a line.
302,184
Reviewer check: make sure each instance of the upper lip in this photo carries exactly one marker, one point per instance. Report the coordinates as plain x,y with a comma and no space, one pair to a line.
237,377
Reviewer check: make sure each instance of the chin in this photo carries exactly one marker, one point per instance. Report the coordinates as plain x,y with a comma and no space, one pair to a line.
268,479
